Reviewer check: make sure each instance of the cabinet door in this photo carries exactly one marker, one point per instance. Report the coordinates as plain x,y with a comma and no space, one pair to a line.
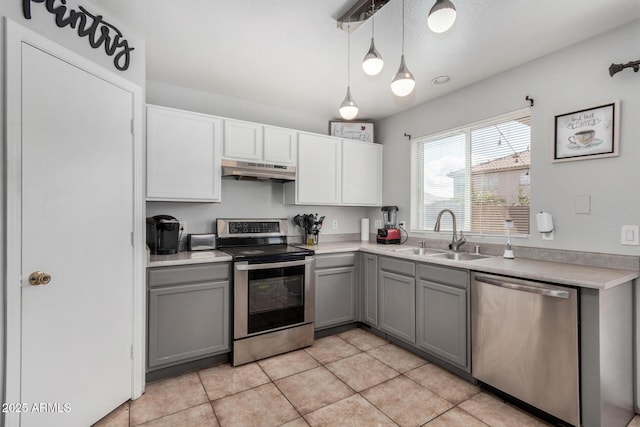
280,145
187,322
370,289
183,155
361,173
318,170
398,305
442,321
242,140
335,296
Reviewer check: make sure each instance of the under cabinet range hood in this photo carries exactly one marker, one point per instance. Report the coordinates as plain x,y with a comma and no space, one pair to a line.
258,171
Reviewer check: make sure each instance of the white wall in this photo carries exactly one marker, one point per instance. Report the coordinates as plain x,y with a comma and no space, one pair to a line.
562,82
254,199
219,105
43,23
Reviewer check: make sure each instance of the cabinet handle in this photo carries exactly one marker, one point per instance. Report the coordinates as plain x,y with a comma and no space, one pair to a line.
266,266
539,290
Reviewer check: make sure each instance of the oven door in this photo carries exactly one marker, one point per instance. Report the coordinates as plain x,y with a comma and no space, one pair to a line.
272,295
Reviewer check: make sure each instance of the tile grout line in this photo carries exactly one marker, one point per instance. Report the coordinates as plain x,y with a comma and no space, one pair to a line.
272,381
215,415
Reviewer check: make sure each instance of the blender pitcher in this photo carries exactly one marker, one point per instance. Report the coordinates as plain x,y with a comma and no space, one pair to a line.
389,216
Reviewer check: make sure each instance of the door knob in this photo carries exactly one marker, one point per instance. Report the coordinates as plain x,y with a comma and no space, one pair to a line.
39,278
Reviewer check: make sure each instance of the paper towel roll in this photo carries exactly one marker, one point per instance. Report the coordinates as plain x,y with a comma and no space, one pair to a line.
545,222
364,229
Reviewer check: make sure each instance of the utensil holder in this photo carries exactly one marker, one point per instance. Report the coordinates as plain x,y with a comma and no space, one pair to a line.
312,238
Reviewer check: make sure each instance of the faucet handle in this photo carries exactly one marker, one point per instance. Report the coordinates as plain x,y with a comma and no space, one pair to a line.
423,244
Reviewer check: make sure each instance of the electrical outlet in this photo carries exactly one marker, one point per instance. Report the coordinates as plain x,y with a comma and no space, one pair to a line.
629,235
334,224
402,224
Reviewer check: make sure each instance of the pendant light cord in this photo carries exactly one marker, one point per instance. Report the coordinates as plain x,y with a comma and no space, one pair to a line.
348,52
402,27
373,13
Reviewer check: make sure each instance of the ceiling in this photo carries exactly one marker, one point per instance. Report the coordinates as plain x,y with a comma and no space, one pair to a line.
290,53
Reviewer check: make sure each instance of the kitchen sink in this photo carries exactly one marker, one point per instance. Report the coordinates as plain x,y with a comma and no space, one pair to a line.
460,256
421,251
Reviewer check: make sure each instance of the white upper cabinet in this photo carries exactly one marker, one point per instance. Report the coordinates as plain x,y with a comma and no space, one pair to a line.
338,172
242,140
280,145
255,142
183,155
361,173
318,170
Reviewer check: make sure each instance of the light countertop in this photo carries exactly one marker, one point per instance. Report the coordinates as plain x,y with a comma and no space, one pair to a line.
555,272
547,271
182,258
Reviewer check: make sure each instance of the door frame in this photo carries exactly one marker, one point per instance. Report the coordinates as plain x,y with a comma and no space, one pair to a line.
15,35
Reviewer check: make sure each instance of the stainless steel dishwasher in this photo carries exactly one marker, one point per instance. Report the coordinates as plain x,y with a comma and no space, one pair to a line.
525,342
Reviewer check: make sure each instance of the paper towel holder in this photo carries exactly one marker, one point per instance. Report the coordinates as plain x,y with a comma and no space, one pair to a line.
545,225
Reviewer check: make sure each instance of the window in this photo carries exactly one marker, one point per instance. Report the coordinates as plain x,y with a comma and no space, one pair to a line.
480,172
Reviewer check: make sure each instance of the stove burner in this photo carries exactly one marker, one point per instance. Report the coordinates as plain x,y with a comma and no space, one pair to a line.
251,252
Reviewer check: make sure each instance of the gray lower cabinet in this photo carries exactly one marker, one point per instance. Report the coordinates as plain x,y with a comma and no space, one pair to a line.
188,313
336,288
443,307
369,283
397,293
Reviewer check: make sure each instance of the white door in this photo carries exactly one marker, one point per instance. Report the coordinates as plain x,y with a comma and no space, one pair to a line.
77,223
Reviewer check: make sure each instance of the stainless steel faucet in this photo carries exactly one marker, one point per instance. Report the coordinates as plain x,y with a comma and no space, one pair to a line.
455,242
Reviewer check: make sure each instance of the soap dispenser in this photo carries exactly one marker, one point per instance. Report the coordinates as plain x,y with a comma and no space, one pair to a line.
508,252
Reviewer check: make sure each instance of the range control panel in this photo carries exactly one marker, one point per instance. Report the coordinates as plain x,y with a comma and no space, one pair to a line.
240,227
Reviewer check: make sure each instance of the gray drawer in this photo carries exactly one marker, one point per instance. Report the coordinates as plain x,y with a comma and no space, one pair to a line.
399,266
335,260
445,275
179,274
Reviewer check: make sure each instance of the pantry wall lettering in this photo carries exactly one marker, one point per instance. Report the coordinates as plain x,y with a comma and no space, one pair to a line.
97,30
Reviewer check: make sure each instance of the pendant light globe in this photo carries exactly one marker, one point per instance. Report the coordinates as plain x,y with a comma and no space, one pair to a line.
348,108
442,16
372,63
403,83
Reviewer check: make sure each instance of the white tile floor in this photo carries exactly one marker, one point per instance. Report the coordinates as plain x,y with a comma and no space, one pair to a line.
351,379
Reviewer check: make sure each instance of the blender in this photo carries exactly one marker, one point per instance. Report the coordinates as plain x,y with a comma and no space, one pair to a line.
390,234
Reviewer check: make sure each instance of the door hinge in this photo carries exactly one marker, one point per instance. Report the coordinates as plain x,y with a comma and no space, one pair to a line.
133,240
132,351
132,127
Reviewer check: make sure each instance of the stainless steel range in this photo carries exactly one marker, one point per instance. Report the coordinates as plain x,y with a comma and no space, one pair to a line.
274,289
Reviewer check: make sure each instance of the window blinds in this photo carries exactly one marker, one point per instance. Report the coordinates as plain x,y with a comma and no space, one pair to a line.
480,172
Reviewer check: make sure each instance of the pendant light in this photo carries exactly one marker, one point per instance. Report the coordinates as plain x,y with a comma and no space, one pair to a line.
348,108
372,63
442,16
403,83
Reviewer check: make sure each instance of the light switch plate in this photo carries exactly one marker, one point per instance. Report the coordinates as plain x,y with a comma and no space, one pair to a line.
583,205
629,235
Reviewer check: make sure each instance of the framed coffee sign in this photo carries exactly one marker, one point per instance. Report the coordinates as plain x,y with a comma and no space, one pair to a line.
361,131
588,133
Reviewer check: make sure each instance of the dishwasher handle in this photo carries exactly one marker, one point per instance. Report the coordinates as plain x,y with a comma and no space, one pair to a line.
556,293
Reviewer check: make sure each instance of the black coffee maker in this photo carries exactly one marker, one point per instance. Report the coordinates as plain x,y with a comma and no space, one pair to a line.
163,235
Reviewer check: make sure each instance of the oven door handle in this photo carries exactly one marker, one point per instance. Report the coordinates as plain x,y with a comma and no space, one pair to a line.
247,267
